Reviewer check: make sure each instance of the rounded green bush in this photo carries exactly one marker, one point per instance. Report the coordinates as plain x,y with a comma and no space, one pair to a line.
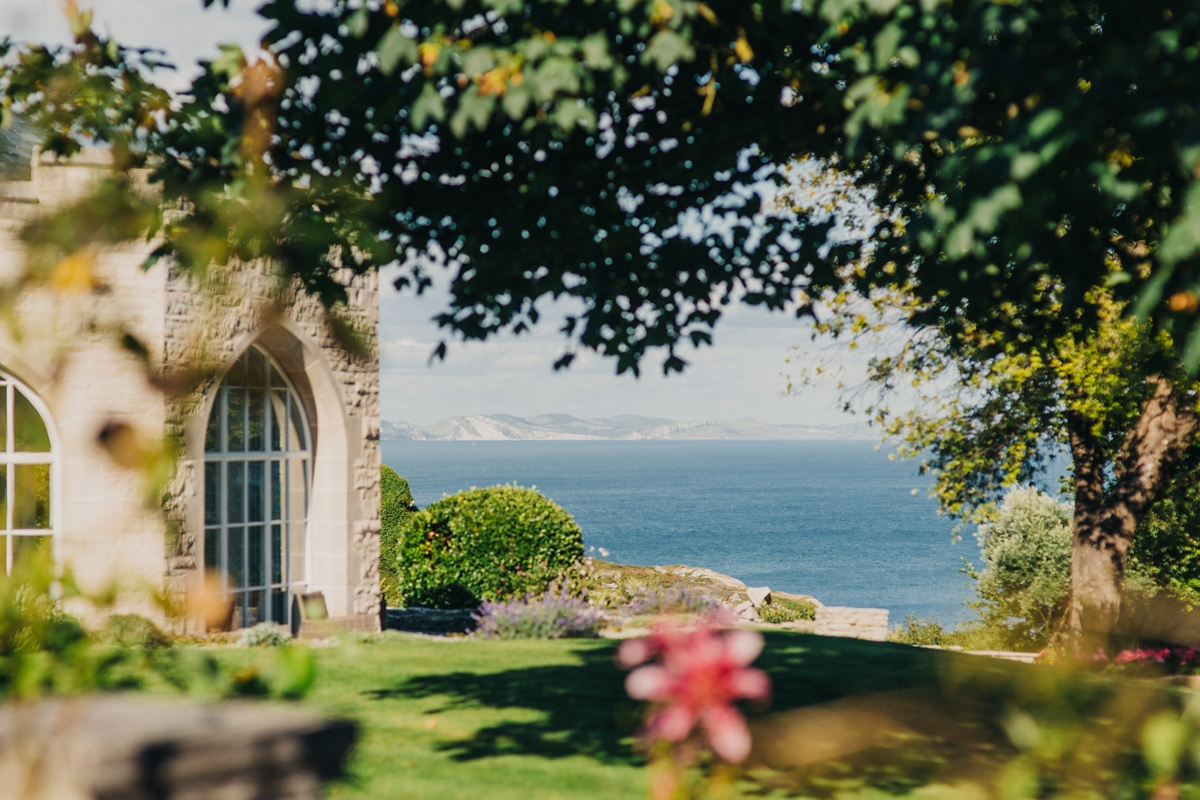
486,544
396,508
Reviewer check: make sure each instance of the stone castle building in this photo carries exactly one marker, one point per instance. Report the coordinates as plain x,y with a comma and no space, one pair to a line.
275,491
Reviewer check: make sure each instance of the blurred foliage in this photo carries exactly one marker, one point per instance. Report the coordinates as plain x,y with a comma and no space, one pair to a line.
395,508
489,544
132,630
45,651
982,728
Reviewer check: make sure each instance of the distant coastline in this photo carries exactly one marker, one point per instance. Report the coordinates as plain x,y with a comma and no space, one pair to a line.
628,427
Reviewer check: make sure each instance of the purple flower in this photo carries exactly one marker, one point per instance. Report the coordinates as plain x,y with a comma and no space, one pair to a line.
548,616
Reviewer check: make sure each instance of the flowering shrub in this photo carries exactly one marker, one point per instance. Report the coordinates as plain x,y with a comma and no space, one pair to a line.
674,600
700,672
549,616
1170,660
1173,660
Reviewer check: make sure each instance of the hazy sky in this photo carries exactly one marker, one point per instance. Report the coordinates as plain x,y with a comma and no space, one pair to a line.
739,376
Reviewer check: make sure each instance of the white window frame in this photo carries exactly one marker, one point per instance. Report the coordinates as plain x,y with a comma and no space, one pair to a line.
301,457
11,458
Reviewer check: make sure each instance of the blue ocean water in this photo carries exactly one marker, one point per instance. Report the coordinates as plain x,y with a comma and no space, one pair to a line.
833,519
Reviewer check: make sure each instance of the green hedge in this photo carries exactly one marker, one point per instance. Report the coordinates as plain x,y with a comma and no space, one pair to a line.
485,544
396,508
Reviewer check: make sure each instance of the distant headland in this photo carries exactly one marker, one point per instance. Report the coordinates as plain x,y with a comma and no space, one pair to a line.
506,427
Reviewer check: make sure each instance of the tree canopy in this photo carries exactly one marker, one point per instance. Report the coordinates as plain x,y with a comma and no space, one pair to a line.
610,150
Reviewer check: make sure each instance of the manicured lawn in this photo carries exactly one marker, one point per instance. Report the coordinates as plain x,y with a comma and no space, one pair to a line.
445,718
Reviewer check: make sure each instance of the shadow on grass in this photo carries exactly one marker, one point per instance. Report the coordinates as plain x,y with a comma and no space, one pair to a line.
583,708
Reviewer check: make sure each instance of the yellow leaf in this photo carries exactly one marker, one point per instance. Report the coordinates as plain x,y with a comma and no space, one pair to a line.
75,274
743,49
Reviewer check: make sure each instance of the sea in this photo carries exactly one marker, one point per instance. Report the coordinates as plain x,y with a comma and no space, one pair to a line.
836,520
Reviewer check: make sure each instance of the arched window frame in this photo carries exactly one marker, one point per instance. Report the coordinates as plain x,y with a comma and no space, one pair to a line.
293,499
12,459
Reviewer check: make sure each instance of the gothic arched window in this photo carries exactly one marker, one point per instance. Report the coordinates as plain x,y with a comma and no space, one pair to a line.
26,474
257,463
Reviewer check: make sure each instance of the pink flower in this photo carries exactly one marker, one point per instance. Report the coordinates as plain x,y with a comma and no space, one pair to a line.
1128,656
700,672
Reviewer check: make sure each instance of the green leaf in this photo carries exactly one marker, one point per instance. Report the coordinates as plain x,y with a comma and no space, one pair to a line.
595,52
666,49
477,61
428,105
571,114
395,47
473,109
556,75
1164,737
1183,237
1045,122
294,672
358,22
516,100
886,43
1151,294
503,7
230,63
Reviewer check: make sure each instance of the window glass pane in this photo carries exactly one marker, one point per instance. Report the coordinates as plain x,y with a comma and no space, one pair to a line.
276,490
235,416
295,552
235,555
296,429
3,500
257,564
212,549
235,487
239,610
237,373
212,493
3,416
278,419
212,436
256,610
32,502
276,379
29,431
276,554
279,605
27,546
256,369
256,422
256,505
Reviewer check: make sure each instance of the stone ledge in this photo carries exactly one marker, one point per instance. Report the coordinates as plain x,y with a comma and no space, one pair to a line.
136,748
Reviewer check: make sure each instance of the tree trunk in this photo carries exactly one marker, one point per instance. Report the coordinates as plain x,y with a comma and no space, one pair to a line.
1107,519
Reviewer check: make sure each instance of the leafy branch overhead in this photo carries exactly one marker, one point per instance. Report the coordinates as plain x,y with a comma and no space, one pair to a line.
614,151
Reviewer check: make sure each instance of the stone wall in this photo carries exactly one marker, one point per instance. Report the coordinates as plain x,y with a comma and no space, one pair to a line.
70,354
854,623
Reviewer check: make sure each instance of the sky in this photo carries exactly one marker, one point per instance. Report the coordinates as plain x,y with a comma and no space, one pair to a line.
740,376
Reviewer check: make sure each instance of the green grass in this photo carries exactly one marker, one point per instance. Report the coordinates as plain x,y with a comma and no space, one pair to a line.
446,718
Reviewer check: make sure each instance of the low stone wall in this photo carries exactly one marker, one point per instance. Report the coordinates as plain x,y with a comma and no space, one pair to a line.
429,620
870,624
117,747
